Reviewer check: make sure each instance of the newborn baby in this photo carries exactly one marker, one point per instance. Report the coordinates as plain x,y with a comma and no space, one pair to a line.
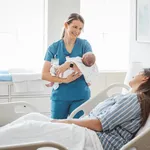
88,59
81,64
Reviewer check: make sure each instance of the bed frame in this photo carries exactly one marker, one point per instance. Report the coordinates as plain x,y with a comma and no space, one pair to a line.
33,146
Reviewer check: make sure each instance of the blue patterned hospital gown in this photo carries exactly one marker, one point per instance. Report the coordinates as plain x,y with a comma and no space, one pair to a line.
120,119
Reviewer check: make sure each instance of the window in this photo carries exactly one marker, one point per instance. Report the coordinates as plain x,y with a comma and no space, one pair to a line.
21,33
107,29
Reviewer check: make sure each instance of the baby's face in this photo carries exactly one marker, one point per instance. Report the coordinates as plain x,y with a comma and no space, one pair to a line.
88,59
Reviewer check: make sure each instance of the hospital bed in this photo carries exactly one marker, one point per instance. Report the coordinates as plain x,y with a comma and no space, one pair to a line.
34,146
10,111
140,142
91,103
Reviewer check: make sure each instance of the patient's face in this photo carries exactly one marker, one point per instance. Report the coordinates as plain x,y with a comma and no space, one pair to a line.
137,79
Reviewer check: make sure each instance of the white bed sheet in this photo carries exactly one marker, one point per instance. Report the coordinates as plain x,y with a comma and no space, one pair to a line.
36,127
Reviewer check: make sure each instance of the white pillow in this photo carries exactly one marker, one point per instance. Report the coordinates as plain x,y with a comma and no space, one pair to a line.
145,127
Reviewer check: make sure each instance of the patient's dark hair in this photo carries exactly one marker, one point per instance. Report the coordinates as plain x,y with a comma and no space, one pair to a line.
73,16
144,97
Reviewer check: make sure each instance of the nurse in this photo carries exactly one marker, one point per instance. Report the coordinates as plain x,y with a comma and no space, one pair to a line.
73,90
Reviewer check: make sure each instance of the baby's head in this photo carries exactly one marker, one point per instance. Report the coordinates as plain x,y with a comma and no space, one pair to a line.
88,59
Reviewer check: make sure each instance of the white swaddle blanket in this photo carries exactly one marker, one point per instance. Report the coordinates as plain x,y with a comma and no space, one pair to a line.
36,127
89,73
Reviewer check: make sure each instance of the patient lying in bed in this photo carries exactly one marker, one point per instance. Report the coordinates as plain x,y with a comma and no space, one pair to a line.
109,126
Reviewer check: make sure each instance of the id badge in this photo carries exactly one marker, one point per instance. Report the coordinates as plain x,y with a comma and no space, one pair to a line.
55,61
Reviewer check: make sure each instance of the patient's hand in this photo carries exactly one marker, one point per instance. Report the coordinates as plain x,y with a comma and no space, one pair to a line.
59,121
50,84
53,120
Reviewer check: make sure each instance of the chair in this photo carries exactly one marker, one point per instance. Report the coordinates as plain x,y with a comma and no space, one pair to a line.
10,111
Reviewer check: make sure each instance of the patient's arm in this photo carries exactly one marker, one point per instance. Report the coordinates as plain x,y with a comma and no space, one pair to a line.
93,124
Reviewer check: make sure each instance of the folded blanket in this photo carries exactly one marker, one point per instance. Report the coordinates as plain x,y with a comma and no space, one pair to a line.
5,76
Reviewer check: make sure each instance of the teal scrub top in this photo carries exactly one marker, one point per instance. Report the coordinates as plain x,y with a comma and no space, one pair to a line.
78,89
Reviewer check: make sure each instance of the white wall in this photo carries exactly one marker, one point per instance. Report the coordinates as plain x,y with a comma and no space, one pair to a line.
138,51
58,12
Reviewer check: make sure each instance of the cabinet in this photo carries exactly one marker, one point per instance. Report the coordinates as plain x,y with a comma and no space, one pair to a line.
41,100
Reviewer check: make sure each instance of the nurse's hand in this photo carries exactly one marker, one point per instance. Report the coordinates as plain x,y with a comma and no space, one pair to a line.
89,84
62,68
75,68
72,77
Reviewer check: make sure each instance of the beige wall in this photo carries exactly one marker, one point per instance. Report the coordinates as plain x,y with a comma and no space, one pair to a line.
105,79
139,52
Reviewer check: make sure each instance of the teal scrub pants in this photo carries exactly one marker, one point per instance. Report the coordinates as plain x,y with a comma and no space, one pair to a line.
61,109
